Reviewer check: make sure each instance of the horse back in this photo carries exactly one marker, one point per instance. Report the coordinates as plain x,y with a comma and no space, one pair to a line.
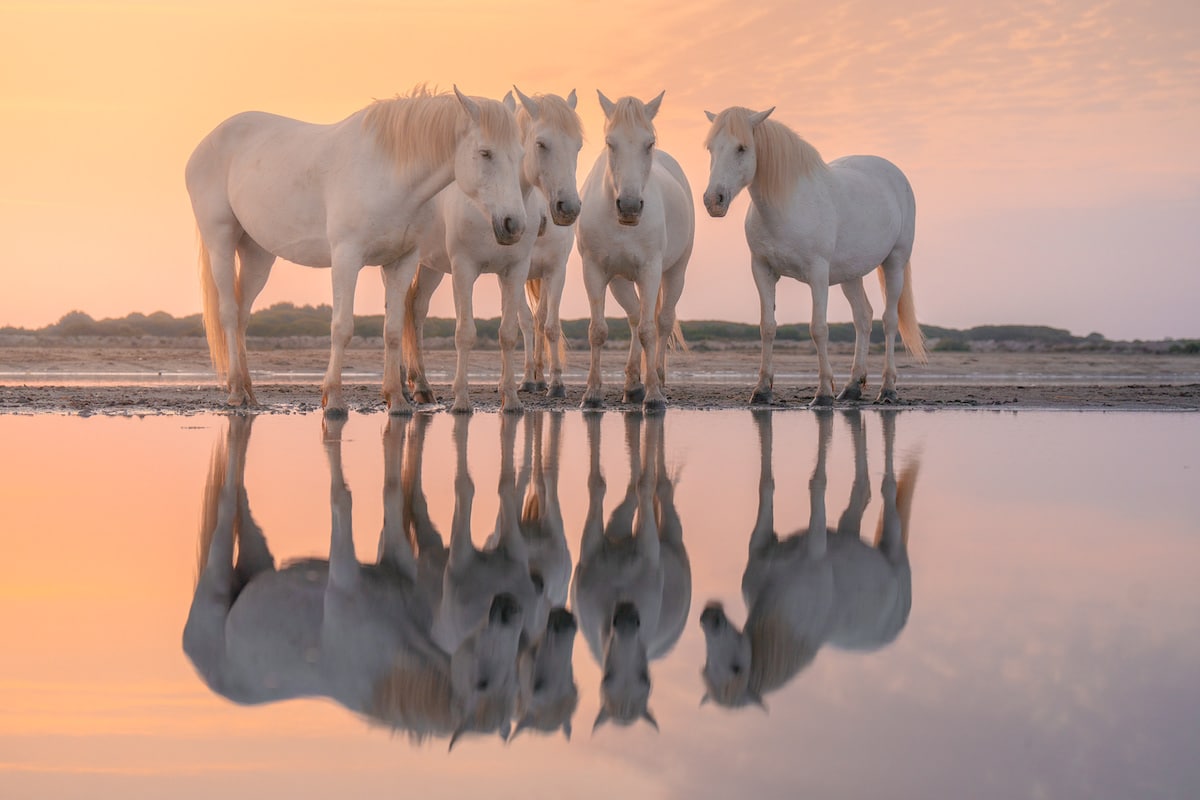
876,212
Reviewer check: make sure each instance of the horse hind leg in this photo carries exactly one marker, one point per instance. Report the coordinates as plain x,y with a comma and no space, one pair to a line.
254,268
891,279
860,307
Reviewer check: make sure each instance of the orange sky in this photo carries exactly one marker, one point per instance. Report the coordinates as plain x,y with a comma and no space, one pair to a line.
1050,145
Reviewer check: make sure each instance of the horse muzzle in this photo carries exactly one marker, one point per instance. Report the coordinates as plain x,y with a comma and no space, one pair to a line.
565,212
629,210
716,203
713,617
508,228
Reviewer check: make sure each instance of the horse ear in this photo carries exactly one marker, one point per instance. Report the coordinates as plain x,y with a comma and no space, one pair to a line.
757,699
572,100
711,116
530,104
706,699
759,116
458,732
566,728
505,730
470,105
509,102
646,715
652,106
608,105
601,718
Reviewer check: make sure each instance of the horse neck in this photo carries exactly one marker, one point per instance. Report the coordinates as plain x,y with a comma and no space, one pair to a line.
808,174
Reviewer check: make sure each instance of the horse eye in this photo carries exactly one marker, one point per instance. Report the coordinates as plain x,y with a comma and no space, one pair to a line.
542,145
482,685
485,154
608,676
538,685
741,148
644,677
737,669
650,145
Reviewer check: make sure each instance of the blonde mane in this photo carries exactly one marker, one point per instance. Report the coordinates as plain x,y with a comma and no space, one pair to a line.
416,698
776,655
424,128
782,156
629,112
554,111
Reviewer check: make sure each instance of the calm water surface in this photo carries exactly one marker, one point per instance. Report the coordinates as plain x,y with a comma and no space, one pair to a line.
980,605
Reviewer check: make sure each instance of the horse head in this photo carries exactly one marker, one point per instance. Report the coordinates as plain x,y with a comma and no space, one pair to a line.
483,671
487,164
549,695
733,160
553,136
727,661
630,138
625,687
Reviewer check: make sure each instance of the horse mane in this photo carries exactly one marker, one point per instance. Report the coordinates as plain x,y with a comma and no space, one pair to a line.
554,111
416,698
629,111
424,127
782,156
776,652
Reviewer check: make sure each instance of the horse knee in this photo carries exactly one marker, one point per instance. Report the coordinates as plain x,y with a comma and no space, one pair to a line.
597,334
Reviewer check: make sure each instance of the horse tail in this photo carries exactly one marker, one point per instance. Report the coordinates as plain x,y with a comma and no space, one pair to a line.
910,330
211,300
533,291
906,485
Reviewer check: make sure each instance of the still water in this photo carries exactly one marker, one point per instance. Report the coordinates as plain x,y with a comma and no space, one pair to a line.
985,605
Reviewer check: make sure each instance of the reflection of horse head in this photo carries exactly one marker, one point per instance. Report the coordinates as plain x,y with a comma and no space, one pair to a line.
360,634
820,585
633,583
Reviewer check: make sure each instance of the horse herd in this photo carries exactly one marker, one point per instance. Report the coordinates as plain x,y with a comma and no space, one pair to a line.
440,640
432,184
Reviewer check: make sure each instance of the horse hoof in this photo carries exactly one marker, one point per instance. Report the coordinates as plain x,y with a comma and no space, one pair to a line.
336,413
424,396
529,386
593,403
557,390
888,397
460,409
653,407
822,401
761,398
400,410
852,392
634,395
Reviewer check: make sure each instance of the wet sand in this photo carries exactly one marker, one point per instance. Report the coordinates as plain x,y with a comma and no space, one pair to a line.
135,377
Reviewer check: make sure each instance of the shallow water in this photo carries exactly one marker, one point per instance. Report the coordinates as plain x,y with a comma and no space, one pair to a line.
1036,637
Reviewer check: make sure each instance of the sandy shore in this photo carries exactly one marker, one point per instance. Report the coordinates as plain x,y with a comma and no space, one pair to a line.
100,377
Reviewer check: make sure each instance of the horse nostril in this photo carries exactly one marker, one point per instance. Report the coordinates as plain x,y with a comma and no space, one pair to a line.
720,199
510,225
641,205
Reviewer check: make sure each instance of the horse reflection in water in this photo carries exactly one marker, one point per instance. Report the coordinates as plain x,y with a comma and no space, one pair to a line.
633,585
820,585
362,635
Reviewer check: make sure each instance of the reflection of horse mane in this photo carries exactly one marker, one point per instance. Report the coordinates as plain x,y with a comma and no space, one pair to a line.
415,699
777,653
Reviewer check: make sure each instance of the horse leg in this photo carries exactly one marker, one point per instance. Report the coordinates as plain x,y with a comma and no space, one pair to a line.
223,264
512,300
648,333
672,289
860,307
397,277
765,280
596,283
346,265
819,328
550,333
533,345
626,294
463,277
254,267
893,285
416,305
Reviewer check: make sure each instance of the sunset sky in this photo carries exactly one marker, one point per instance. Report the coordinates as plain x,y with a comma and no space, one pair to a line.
1051,146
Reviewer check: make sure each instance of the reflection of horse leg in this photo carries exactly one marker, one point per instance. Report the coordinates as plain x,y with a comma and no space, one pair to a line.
424,539
763,535
891,536
647,493
765,280
254,269
817,526
593,524
394,547
620,522
850,523
627,297
343,563
860,307
397,277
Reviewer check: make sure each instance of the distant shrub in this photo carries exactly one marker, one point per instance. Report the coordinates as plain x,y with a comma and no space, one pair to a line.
952,345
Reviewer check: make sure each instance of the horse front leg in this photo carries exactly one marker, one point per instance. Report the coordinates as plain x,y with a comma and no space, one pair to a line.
860,307
595,282
627,296
511,284
647,331
765,280
463,276
529,333
819,328
397,278
346,265
551,330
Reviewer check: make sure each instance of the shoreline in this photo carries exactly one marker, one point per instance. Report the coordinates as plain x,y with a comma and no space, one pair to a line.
159,380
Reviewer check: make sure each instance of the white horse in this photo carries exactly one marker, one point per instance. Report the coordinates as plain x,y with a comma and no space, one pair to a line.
458,241
358,634
635,235
340,196
823,224
820,585
633,584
